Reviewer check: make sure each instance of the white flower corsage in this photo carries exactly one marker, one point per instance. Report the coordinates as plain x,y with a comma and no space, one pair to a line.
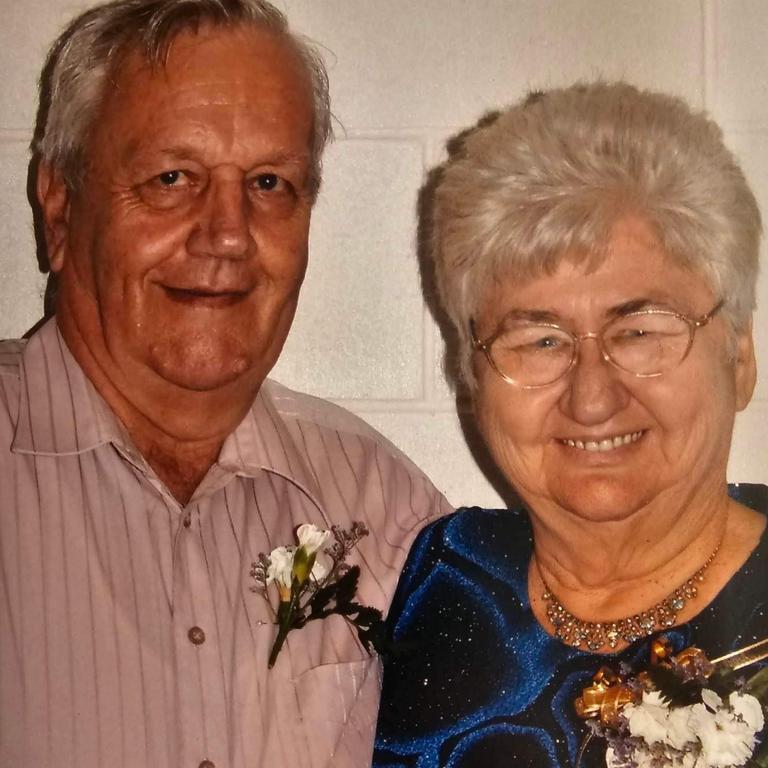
683,711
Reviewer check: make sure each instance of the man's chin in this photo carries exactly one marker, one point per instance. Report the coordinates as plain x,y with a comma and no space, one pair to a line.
203,375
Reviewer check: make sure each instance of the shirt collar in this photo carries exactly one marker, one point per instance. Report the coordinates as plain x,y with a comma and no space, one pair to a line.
267,439
60,411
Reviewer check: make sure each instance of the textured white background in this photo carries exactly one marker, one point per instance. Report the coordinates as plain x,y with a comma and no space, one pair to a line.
405,75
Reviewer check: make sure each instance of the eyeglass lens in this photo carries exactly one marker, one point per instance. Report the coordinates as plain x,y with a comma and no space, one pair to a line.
642,343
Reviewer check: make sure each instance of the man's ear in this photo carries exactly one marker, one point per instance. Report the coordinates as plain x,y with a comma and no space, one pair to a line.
54,198
745,367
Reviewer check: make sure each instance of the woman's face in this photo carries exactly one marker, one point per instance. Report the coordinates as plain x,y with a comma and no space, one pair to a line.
682,420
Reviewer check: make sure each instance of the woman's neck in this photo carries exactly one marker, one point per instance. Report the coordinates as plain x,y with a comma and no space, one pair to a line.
608,571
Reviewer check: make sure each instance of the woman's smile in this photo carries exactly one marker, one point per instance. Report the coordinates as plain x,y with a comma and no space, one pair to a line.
603,444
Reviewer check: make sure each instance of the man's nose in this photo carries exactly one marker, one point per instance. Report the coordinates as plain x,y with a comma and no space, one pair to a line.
223,229
595,390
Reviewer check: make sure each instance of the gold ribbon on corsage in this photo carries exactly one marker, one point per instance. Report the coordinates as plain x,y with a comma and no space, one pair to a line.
610,692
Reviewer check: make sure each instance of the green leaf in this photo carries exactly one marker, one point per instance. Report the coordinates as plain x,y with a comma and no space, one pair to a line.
368,616
320,601
672,687
373,635
723,681
757,685
346,586
286,622
302,565
284,613
760,758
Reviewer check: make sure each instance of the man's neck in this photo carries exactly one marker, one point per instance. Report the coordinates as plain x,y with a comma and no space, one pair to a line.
180,467
179,432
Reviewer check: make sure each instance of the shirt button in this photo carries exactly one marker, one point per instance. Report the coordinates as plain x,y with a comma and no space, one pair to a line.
187,521
197,637
207,764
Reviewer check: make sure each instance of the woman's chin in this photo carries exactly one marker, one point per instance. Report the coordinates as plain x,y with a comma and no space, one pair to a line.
600,499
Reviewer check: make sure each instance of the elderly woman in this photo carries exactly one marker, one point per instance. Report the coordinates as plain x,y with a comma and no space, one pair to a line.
596,248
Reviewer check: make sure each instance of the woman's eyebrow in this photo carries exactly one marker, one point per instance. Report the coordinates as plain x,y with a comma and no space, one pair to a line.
619,310
638,305
532,316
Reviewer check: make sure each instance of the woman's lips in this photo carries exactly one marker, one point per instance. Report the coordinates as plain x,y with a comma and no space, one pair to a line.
603,445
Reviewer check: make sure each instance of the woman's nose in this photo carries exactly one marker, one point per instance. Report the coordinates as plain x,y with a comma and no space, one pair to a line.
595,390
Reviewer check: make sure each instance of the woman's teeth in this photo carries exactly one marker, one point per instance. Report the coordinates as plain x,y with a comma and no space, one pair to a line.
608,444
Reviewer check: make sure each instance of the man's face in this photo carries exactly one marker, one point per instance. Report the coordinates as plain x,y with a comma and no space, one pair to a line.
186,244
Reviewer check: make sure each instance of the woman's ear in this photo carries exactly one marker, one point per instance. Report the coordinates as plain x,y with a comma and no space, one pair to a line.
54,198
745,367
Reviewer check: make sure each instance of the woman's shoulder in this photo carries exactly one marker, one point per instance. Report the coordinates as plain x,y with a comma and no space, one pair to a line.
753,495
475,547
489,538
482,525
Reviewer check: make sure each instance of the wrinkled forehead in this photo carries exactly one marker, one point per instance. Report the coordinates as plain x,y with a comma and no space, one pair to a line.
634,239
248,78
249,54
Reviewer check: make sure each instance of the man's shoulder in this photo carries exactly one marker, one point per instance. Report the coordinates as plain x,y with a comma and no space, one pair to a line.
10,356
11,351
299,408
10,382
333,445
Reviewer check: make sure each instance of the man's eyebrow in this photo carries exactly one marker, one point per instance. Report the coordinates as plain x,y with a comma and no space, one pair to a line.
182,152
135,151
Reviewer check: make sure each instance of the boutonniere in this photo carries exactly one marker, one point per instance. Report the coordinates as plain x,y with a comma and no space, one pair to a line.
313,581
682,711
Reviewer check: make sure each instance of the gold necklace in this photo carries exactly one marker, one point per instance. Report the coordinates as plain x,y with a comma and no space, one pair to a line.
597,635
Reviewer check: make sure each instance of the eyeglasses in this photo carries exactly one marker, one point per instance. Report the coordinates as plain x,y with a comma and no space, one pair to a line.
646,343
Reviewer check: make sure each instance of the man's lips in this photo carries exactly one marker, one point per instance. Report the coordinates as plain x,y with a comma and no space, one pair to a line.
205,297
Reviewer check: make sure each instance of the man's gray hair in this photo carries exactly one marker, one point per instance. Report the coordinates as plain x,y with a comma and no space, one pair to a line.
551,175
80,64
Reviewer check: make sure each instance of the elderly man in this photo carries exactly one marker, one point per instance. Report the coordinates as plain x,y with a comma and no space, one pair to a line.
145,461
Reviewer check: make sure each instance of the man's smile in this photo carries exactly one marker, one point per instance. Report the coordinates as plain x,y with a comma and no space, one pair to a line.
206,297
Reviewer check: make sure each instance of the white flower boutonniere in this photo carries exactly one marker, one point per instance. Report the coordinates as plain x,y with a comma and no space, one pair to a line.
314,581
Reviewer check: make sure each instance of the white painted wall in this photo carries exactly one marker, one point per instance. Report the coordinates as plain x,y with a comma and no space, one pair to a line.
405,75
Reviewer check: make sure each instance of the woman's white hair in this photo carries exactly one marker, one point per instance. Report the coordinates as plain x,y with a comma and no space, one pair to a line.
80,64
551,175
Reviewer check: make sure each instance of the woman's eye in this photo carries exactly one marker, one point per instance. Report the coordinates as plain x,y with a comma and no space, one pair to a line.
635,336
547,342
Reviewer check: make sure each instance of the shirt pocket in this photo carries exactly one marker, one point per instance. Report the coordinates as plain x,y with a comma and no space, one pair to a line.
328,693
339,703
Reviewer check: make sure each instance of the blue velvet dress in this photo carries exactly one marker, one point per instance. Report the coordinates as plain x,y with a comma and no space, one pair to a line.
477,683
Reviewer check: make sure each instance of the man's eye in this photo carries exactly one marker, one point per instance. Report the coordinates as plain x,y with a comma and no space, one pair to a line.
171,178
267,182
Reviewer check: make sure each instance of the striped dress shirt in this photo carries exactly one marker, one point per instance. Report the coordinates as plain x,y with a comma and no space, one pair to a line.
129,633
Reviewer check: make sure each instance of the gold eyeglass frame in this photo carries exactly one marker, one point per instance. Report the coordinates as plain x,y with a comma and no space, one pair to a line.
692,323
